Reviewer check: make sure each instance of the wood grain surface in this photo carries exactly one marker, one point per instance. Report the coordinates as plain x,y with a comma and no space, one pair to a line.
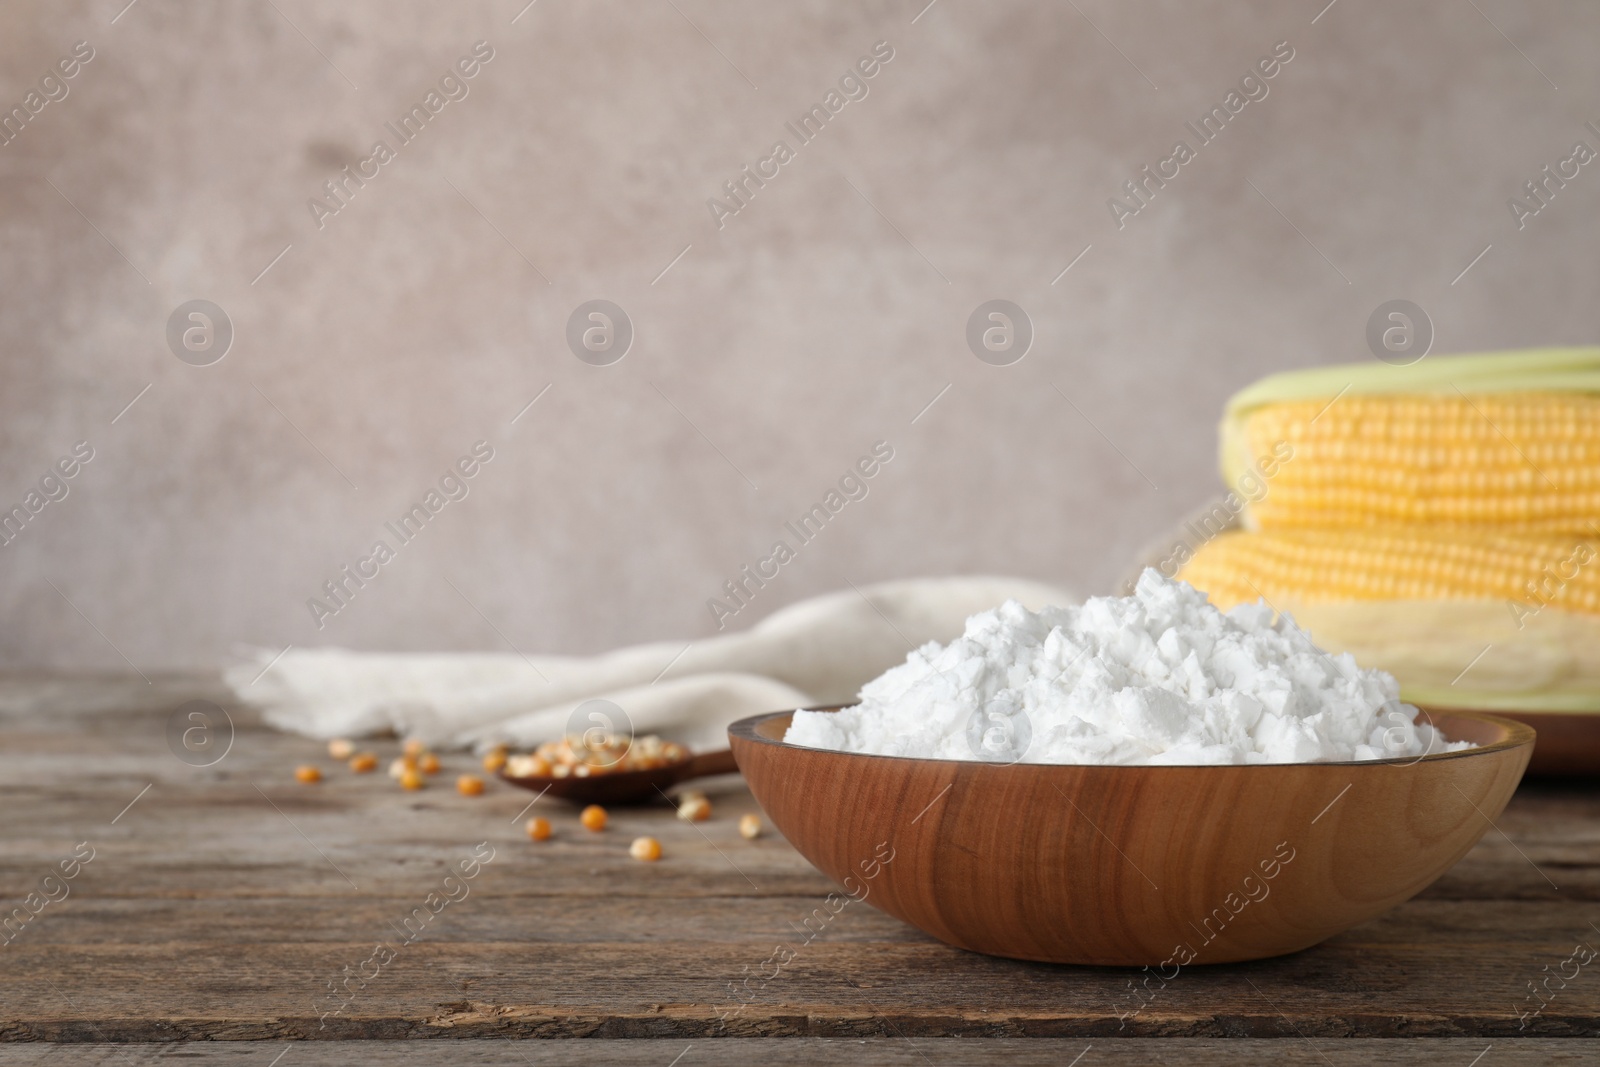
804,1051
219,906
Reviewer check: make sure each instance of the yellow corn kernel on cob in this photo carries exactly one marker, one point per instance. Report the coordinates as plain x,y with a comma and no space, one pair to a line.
1510,441
1525,461
1290,567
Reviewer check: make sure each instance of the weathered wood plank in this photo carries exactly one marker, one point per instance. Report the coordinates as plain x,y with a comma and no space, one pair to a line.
879,1051
682,988
495,911
221,904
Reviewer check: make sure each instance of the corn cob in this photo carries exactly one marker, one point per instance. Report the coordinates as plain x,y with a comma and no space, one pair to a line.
1522,461
1291,567
1424,518
1509,441
1462,654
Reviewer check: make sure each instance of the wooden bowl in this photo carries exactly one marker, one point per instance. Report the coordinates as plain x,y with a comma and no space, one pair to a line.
1133,866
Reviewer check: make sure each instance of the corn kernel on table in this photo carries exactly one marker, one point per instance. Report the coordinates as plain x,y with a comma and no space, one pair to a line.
258,920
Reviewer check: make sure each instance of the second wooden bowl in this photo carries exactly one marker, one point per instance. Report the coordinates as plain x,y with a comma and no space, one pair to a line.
1133,866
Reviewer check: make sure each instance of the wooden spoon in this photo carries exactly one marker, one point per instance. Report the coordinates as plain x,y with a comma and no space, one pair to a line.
628,787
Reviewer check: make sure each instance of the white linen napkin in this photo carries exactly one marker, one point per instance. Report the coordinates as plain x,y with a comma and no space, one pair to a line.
813,653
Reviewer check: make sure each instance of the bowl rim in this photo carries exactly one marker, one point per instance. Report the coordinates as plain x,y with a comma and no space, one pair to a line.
1518,734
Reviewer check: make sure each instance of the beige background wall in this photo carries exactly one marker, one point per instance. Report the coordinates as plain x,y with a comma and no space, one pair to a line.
821,318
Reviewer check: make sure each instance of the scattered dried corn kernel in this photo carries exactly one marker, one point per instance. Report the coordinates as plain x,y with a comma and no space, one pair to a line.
469,785
538,829
412,778
339,748
645,849
399,767
494,761
362,762
428,763
308,774
694,807
412,747
593,818
750,827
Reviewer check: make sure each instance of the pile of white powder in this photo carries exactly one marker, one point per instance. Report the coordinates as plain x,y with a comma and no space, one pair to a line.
1160,677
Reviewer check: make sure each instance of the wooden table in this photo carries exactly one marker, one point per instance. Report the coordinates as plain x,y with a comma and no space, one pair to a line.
223,902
